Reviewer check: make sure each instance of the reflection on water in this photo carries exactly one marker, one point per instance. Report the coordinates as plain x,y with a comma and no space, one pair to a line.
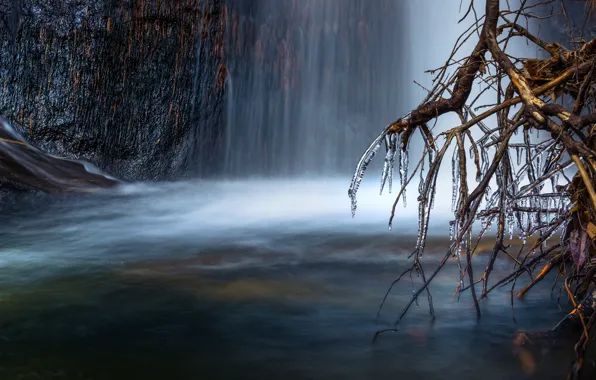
197,281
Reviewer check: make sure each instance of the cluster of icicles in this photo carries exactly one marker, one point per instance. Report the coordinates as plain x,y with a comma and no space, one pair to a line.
393,149
528,208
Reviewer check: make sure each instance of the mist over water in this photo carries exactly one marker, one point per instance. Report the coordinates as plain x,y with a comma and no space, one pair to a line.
137,222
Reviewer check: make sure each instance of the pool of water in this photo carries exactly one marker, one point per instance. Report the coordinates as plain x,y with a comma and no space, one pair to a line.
247,280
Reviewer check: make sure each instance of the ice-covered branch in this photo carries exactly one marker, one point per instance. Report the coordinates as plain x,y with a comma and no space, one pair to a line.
529,190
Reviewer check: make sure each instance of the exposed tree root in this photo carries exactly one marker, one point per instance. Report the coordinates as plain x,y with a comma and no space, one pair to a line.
528,186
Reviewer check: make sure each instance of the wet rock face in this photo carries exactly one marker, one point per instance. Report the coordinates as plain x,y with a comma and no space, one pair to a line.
129,85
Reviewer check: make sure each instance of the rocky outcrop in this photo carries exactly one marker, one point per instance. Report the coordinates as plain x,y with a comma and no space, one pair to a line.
23,164
129,85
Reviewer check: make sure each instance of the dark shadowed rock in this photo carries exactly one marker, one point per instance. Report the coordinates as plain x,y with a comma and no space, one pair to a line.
120,83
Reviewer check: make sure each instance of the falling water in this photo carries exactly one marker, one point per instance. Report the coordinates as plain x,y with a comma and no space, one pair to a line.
197,72
314,81
229,118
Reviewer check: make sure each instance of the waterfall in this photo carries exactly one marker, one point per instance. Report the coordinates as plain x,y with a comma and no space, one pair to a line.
314,81
229,153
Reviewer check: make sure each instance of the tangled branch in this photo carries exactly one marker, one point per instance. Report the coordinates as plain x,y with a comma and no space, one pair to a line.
541,185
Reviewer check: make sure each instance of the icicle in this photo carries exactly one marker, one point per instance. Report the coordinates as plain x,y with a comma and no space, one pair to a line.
404,171
399,159
522,222
494,199
455,180
510,220
538,205
518,152
487,195
547,201
515,185
421,208
395,144
420,222
363,163
423,239
510,226
554,180
384,174
451,230
485,160
421,181
386,165
432,198
562,207
556,206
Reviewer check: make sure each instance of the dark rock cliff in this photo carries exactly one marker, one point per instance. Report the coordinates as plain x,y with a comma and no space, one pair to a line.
129,85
